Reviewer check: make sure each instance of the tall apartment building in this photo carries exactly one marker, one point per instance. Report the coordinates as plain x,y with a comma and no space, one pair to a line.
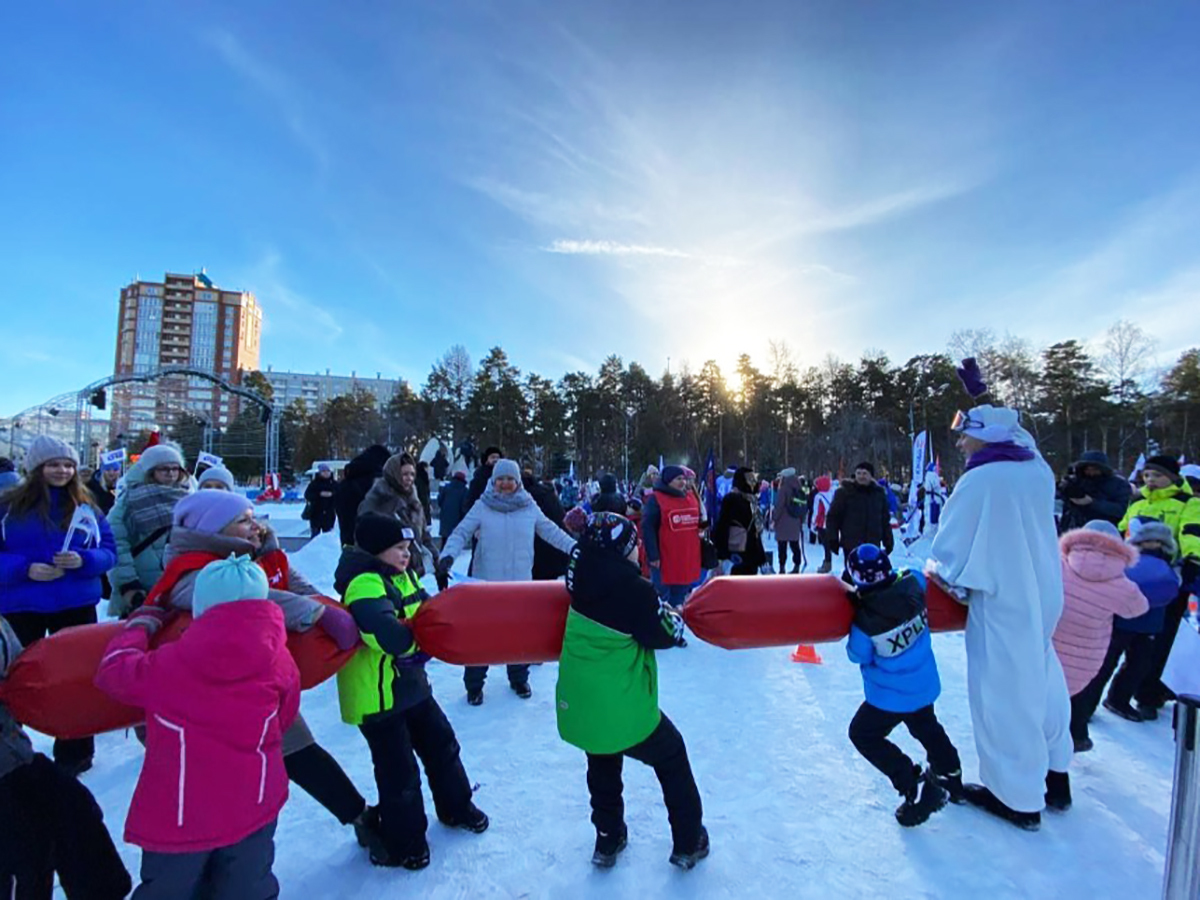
315,389
183,320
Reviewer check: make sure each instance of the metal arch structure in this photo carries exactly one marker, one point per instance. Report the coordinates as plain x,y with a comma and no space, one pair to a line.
270,451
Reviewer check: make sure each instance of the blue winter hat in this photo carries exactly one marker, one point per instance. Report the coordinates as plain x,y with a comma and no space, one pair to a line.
869,567
226,581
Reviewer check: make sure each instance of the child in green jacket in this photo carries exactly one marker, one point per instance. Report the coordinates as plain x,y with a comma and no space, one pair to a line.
608,689
385,692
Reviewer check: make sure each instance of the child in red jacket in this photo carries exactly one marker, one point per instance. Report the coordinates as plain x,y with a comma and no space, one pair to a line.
217,702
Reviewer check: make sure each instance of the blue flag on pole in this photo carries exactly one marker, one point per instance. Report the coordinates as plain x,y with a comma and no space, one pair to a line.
708,487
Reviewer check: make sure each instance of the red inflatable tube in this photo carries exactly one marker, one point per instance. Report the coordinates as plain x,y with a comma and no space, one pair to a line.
781,610
49,686
485,623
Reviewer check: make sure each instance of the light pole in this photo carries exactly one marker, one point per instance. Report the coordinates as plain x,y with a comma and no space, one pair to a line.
629,414
786,435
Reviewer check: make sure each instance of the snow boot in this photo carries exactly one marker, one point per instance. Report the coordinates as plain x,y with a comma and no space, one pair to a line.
826,567
922,800
474,820
978,795
413,862
368,831
523,691
475,698
952,784
1124,710
1148,713
1083,745
1058,791
688,861
609,847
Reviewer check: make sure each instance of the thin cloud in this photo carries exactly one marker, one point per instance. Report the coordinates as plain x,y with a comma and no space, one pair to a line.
613,248
272,83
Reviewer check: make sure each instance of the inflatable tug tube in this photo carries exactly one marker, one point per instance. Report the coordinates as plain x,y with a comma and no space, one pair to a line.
485,623
49,686
740,613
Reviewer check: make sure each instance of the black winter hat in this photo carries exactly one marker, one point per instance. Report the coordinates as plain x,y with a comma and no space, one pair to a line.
1097,458
1167,465
611,531
866,465
488,452
375,533
608,484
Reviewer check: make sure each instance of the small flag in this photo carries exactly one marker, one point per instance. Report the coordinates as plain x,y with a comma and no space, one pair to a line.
208,459
113,458
83,519
1138,466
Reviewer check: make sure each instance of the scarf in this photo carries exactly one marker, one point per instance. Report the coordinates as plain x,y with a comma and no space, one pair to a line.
412,513
1002,451
148,509
506,503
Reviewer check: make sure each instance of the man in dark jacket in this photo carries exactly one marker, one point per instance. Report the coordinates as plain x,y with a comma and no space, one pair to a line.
859,514
609,499
358,476
548,562
452,501
1091,491
320,501
483,474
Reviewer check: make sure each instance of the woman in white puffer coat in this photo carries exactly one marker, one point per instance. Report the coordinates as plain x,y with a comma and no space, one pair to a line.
506,519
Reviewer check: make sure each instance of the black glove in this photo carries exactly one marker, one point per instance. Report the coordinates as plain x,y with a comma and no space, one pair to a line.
1191,574
441,579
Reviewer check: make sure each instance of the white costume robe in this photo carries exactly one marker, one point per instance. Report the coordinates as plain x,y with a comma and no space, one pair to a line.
997,539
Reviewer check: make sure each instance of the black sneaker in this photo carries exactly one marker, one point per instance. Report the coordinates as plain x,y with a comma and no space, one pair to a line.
917,809
952,784
413,862
688,861
978,795
1058,791
523,691
1083,745
474,821
1124,710
1148,713
368,831
475,698
609,847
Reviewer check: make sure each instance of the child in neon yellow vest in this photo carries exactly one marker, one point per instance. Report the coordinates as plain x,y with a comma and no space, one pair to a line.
385,692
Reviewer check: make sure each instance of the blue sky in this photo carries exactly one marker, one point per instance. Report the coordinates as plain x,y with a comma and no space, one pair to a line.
573,179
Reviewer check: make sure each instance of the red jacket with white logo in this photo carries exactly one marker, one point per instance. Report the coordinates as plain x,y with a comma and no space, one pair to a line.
676,542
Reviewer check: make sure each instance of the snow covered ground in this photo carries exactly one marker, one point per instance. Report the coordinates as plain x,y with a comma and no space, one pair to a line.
792,810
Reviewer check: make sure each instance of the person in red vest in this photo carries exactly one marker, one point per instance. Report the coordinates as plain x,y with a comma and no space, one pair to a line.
212,525
671,532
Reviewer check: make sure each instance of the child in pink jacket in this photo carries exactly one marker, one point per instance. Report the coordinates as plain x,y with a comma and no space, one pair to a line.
217,702
1095,588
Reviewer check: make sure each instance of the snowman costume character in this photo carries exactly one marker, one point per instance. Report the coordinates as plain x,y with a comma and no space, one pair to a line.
997,547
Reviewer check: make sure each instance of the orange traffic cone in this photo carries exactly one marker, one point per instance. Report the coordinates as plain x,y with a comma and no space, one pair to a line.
806,653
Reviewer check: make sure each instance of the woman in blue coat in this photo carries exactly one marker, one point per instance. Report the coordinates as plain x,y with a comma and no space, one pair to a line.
44,587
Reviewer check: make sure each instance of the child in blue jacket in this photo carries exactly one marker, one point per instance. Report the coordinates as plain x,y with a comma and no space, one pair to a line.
890,641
